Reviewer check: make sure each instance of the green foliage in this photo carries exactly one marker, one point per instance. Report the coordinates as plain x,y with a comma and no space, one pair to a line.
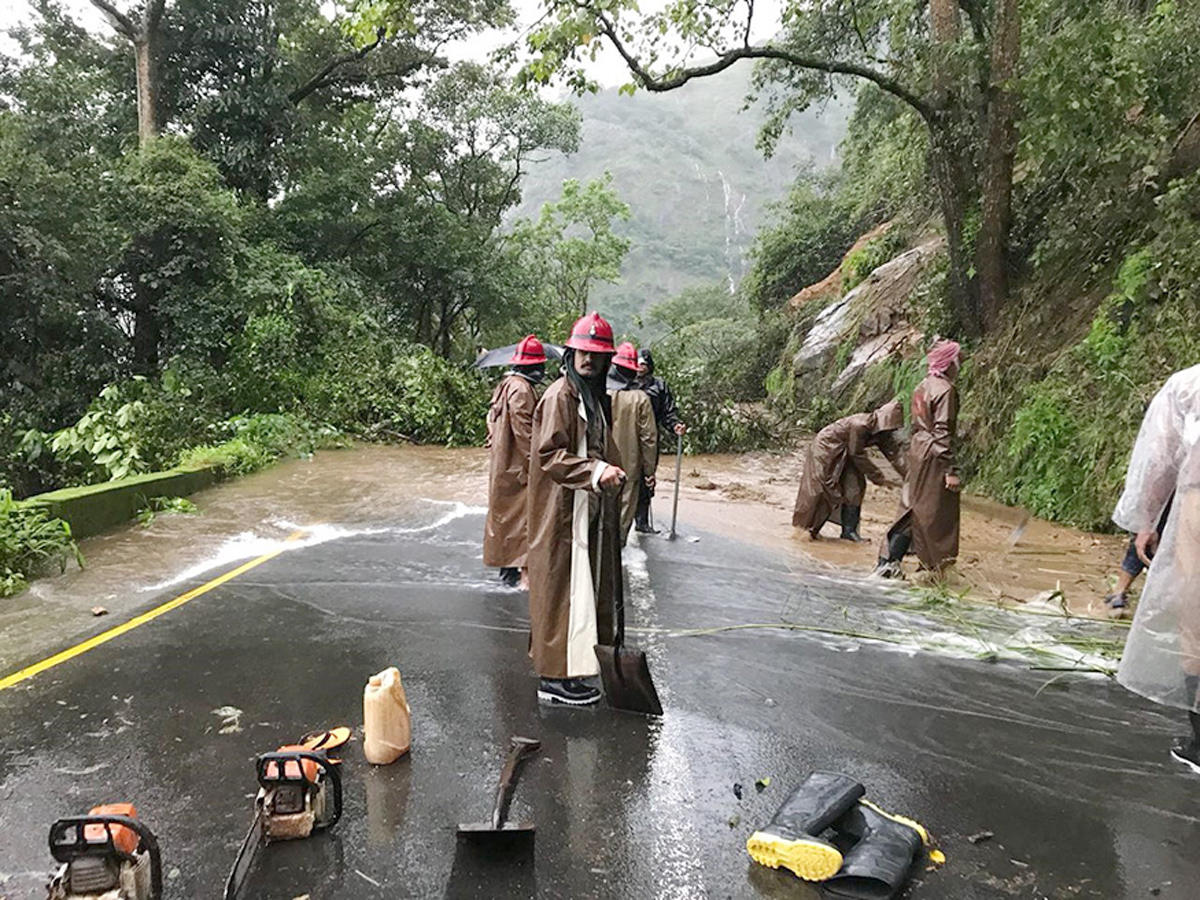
716,357
30,542
102,445
906,375
885,162
810,232
571,246
1065,454
180,255
427,19
437,402
255,442
138,425
156,505
1106,96
234,457
865,259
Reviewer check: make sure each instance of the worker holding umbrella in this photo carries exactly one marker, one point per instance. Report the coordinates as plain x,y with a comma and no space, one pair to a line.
509,426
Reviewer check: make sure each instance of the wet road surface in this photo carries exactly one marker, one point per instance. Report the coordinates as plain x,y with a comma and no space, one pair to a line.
1072,779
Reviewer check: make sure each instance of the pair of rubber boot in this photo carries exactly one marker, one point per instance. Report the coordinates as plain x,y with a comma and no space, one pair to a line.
870,851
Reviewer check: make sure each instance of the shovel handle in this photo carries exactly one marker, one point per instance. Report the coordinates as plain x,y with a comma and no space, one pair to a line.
520,748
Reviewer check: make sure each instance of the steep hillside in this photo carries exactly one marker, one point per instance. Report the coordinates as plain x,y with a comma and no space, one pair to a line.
687,165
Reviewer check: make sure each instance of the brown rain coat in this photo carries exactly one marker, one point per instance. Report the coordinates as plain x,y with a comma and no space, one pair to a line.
636,437
510,422
837,466
927,508
570,608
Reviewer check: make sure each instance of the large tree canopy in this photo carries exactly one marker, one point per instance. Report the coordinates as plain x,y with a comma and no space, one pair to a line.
950,62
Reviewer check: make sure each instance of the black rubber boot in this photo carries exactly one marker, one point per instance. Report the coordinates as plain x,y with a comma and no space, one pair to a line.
898,545
850,519
792,839
510,576
878,864
1187,749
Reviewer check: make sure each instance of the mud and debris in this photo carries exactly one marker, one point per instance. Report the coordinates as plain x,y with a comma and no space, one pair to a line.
1007,556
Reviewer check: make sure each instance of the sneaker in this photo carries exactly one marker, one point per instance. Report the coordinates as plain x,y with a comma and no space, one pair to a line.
567,691
1116,600
888,568
1187,751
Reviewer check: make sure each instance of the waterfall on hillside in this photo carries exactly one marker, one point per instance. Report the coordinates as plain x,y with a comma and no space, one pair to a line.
735,228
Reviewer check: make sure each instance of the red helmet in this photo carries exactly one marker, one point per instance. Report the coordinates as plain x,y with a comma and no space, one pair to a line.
626,357
591,334
530,352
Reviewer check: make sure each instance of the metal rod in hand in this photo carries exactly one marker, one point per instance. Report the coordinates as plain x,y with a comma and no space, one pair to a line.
678,475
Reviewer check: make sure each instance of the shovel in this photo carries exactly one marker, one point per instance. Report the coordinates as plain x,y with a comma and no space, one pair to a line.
624,671
498,830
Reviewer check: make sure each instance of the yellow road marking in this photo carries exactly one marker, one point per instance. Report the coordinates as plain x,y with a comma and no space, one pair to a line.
137,621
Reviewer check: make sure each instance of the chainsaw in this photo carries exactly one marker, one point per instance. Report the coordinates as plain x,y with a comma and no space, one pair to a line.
300,792
106,855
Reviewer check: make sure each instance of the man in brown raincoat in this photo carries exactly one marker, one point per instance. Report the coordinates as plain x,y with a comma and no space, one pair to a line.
929,503
574,556
837,467
635,432
510,423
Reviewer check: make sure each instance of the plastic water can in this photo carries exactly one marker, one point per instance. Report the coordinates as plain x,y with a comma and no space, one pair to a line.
387,720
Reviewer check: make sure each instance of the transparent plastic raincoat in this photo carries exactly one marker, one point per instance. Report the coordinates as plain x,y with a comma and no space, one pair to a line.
1163,649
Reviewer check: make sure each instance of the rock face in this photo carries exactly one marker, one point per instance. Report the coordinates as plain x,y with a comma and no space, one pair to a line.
872,319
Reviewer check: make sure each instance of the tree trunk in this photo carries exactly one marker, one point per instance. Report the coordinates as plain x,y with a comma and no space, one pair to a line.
143,34
947,166
947,28
147,88
996,214
146,335
950,165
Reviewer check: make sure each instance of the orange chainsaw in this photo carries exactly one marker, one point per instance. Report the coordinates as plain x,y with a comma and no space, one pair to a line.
300,791
106,855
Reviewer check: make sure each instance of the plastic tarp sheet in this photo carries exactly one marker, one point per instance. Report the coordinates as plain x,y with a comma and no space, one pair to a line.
1164,642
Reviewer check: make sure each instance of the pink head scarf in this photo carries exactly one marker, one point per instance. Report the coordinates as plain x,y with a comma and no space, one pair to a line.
942,356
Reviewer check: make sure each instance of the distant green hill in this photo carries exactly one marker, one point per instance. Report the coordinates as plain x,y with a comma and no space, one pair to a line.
687,165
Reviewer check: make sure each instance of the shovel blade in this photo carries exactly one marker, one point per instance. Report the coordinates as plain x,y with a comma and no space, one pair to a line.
509,840
483,829
627,682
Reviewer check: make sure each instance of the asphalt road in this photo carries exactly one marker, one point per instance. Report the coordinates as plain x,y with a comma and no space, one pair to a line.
1072,781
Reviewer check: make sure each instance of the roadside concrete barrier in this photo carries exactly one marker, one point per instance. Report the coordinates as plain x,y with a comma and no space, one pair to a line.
95,508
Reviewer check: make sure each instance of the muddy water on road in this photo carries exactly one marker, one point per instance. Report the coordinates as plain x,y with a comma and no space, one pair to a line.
1005,555
369,488
334,494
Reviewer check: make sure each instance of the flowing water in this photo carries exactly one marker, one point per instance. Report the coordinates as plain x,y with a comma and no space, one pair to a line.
373,489
332,495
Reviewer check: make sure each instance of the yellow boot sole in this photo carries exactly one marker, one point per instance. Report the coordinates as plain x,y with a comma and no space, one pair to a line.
807,858
903,820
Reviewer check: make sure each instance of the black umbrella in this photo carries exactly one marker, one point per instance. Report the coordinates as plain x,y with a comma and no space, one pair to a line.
503,356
